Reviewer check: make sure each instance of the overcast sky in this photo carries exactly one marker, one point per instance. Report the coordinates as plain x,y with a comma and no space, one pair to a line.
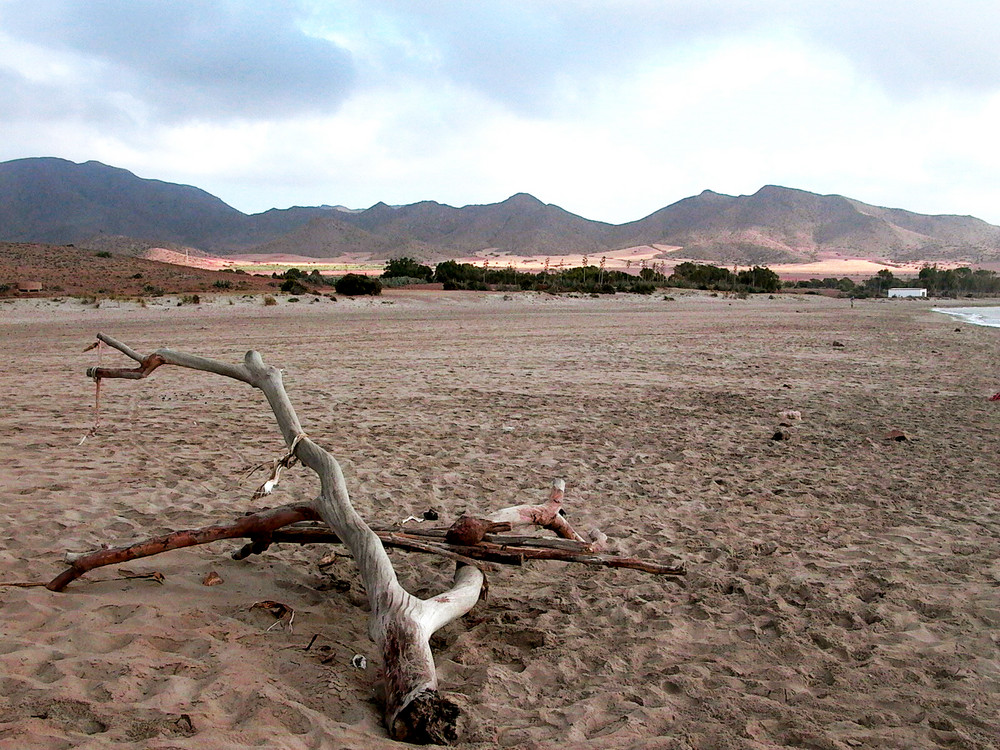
608,109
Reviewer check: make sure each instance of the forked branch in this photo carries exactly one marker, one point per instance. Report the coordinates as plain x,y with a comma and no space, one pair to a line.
400,624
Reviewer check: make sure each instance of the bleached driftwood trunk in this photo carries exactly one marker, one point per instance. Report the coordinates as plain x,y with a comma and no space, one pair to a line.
401,624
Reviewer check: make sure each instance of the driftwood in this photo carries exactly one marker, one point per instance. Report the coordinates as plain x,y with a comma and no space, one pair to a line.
286,525
400,624
254,525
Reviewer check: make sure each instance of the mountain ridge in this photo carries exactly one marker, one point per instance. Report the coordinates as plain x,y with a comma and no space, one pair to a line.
47,199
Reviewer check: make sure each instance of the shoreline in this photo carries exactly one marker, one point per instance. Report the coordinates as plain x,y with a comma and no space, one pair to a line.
973,315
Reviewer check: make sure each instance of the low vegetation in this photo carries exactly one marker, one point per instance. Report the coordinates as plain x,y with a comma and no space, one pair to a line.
354,284
758,279
407,268
958,281
952,282
586,279
76,271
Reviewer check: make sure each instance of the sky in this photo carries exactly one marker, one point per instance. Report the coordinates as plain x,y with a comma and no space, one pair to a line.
609,109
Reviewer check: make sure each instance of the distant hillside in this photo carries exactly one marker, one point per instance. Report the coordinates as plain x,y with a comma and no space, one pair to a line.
71,270
60,202
522,225
137,248
778,224
57,201
330,236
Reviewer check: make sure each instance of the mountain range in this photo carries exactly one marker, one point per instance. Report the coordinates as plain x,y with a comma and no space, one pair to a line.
60,202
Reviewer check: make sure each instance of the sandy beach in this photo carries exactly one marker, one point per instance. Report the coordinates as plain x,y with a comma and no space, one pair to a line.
843,588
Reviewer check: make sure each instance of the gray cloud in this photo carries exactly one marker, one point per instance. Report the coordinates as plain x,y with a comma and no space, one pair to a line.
915,47
200,58
528,53
218,59
23,102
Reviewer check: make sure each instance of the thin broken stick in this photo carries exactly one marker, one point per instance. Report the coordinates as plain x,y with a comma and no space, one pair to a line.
285,462
97,395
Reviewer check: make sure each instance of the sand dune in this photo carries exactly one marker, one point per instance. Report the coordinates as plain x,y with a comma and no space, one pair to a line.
842,587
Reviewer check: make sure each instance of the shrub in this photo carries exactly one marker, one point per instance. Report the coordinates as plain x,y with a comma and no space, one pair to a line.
190,299
763,279
269,300
102,254
407,267
354,284
315,277
293,286
391,282
223,284
642,287
293,299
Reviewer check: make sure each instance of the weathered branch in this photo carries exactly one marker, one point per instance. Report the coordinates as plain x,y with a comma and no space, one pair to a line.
247,526
400,623
547,516
290,524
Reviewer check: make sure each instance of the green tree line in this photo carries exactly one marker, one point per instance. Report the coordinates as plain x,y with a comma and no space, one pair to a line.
952,282
596,279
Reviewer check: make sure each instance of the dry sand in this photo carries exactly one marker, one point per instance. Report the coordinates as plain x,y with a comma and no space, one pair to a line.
842,588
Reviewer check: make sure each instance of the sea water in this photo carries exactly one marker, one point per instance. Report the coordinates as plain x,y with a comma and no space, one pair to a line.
978,316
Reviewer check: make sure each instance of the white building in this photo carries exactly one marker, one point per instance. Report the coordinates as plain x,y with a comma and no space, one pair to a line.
907,292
